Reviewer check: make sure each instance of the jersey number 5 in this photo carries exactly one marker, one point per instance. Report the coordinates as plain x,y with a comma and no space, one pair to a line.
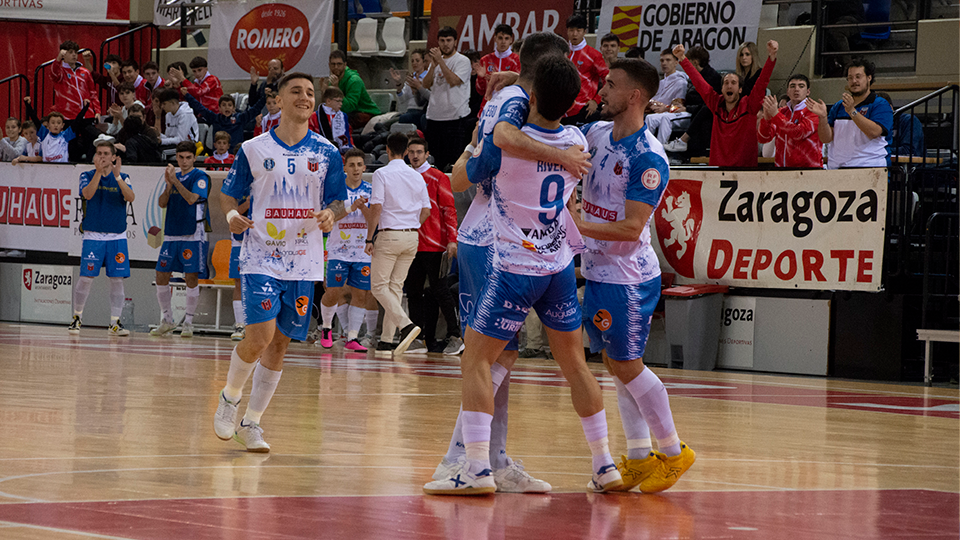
547,202
291,165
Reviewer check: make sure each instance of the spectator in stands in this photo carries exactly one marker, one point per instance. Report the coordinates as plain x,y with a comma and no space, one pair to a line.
593,71
174,70
672,86
54,135
356,101
476,98
411,95
130,70
274,74
438,237
73,84
151,77
501,59
127,94
13,145
204,86
793,127
228,119
609,48
180,121
449,84
662,124
110,80
29,131
221,152
137,141
266,122
733,141
331,122
858,127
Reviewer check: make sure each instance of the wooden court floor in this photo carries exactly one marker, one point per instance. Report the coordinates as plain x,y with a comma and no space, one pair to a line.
112,438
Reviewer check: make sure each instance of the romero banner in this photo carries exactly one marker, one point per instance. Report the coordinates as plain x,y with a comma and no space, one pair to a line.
245,34
807,229
718,26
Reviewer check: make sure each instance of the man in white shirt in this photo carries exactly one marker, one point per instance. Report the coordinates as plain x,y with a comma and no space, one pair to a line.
673,86
399,204
449,85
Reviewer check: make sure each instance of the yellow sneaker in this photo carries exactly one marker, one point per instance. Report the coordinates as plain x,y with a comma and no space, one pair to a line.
635,471
669,470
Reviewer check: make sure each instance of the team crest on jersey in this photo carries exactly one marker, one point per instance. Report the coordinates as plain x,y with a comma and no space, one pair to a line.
120,258
303,303
313,164
266,304
89,267
651,179
202,184
269,164
618,168
187,254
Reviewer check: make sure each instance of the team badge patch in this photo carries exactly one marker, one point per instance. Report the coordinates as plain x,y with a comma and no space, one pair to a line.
650,179
313,164
338,278
266,305
120,258
202,184
602,320
89,267
187,254
163,264
269,164
365,271
303,303
618,168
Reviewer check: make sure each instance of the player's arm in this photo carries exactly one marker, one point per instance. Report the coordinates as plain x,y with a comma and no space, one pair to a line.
508,138
244,206
236,187
164,198
187,195
90,189
628,229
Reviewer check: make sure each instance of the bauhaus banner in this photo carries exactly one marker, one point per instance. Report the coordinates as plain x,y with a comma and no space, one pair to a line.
245,34
654,25
774,229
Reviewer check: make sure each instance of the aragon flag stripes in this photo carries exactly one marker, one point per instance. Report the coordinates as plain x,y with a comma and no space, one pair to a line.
626,25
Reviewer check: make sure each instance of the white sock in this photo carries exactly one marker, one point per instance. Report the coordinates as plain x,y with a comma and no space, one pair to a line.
326,315
237,376
80,294
116,297
476,439
371,319
498,427
342,314
634,426
354,320
595,429
654,405
193,298
264,385
163,297
238,315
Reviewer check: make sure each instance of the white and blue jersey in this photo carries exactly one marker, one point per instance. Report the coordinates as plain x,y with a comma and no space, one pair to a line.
634,168
348,237
53,147
512,105
286,186
184,221
534,232
851,147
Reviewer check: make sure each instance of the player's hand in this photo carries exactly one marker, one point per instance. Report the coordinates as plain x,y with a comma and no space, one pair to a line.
476,135
452,250
576,161
769,107
240,223
325,220
368,249
170,174
498,81
848,104
117,163
359,203
680,52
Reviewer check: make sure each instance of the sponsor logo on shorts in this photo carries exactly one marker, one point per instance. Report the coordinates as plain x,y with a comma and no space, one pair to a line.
602,320
120,258
365,271
163,264
266,305
187,254
338,278
89,267
303,304
509,326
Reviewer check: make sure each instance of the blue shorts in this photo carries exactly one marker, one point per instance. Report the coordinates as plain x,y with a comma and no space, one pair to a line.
474,263
180,256
267,298
235,262
110,253
617,317
507,298
353,274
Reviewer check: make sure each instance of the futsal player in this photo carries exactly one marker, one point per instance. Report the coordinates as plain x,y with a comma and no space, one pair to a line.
535,239
106,192
629,176
295,181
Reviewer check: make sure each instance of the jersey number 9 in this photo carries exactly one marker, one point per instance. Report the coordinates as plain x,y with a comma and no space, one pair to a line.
546,202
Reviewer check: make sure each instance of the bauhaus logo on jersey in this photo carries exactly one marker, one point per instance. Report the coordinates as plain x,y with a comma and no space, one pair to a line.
40,280
267,32
38,207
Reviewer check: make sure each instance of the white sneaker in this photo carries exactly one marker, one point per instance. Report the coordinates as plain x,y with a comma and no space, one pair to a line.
446,468
417,347
225,419
237,334
118,330
251,436
606,479
74,328
165,327
186,331
454,346
676,145
463,482
513,479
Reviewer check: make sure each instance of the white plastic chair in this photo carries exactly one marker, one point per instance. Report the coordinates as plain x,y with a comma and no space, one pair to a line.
393,39
366,36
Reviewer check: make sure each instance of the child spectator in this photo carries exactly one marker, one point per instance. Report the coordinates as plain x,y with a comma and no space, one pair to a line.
228,119
180,120
54,136
221,152
73,84
272,119
127,94
204,86
151,78
174,70
331,122
138,141
13,146
109,78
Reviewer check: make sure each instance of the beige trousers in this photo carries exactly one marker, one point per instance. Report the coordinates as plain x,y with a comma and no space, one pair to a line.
392,255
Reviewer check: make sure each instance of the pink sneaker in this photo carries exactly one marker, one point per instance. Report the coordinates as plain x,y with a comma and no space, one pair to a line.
354,345
326,338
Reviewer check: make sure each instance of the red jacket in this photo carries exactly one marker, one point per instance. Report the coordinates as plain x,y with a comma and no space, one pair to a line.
491,64
208,92
226,161
733,141
143,94
798,144
71,87
440,228
593,71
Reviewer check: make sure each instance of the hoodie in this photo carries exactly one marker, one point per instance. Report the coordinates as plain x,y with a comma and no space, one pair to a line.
181,126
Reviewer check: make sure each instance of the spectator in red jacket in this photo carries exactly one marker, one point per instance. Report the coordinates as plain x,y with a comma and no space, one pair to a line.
438,235
221,152
152,78
130,70
108,79
593,71
204,86
72,83
793,127
733,140
501,59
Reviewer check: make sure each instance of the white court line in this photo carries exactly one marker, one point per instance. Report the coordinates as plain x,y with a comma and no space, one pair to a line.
59,530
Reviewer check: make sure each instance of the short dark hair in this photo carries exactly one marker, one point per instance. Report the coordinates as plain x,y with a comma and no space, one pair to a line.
227,98
179,65
187,146
641,73
633,52
868,68
114,58
27,124
447,31
504,29
70,45
577,21
420,141
668,51
221,136
151,65
56,114
291,76
168,94
126,87
130,63
108,144
701,55
473,55
354,152
15,119
198,62
556,84
421,52
337,53
735,74
397,143
610,36
135,108
332,93
538,45
799,77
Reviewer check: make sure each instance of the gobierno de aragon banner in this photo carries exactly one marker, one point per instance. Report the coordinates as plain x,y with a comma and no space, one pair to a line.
297,32
812,229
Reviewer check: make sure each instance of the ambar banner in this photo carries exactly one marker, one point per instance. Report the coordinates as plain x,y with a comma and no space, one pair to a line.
297,32
774,229
66,10
719,26
476,20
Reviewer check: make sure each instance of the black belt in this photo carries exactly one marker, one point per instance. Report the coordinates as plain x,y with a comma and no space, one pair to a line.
400,230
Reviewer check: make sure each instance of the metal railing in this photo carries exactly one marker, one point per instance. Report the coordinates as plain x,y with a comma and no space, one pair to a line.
869,38
141,44
42,93
14,88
